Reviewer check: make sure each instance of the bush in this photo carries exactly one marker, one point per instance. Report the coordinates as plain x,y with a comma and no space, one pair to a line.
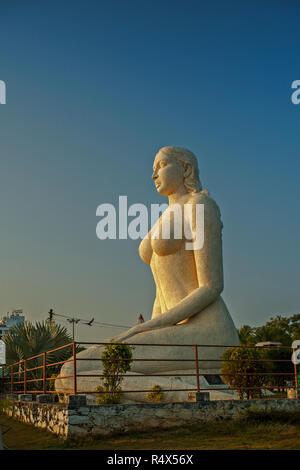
244,362
156,396
116,360
106,398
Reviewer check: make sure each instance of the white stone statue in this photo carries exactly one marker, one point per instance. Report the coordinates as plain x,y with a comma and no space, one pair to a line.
188,308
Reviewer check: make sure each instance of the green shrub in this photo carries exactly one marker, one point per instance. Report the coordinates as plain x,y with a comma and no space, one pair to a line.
116,361
156,396
105,398
238,363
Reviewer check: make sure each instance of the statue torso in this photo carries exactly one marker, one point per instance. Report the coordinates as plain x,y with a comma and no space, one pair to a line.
172,265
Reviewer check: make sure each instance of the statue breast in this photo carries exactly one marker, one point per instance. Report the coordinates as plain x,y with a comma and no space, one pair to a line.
161,243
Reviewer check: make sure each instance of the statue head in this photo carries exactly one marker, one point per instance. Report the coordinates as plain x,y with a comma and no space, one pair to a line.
187,167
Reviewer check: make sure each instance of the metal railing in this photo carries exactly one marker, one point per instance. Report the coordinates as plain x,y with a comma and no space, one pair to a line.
36,380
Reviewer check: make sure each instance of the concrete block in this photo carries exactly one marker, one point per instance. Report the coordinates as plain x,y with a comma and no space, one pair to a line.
25,397
12,396
76,400
198,396
78,420
44,398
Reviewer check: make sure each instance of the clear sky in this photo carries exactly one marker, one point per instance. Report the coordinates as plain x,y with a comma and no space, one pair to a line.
94,89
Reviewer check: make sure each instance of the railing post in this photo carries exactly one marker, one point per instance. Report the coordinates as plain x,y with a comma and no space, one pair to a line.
295,372
197,367
11,379
25,375
74,369
44,374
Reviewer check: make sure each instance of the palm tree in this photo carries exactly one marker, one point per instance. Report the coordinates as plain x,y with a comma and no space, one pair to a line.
246,335
26,340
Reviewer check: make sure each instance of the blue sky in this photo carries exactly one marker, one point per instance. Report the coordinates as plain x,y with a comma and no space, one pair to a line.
94,89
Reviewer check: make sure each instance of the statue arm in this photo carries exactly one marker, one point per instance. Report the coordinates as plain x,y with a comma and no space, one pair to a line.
209,272
156,307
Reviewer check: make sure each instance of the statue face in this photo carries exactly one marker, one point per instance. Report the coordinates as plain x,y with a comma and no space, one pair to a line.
168,174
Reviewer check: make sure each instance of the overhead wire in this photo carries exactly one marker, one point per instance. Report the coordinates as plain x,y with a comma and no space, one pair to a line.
95,323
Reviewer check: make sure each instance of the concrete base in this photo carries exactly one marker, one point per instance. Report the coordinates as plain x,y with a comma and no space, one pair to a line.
198,396
44,398
178,386
12,396
76,400
25,397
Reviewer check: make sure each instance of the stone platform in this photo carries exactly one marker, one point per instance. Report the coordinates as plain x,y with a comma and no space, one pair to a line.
75,420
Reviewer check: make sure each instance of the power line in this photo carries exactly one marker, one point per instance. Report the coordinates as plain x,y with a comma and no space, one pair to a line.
112,325
106,325
83,321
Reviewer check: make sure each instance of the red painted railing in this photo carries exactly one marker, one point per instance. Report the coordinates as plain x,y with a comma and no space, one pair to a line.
20,377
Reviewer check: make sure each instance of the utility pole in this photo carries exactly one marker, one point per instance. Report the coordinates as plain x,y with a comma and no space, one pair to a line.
70,319
83,321
73,321
51,313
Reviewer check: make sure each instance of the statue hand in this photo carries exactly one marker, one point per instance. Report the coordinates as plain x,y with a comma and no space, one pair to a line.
129,333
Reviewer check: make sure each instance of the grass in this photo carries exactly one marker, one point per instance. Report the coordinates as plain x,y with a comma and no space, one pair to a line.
272,431
23,436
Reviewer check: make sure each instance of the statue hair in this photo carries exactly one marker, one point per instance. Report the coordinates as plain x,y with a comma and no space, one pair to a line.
184,156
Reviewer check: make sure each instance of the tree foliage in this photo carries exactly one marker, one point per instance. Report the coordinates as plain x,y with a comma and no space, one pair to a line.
281,329
238,363
278,329
26,340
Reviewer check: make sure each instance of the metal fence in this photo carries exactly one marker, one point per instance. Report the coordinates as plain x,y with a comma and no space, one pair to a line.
21,378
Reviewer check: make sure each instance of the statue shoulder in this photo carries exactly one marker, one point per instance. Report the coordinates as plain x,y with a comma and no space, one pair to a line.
203,198
211,208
